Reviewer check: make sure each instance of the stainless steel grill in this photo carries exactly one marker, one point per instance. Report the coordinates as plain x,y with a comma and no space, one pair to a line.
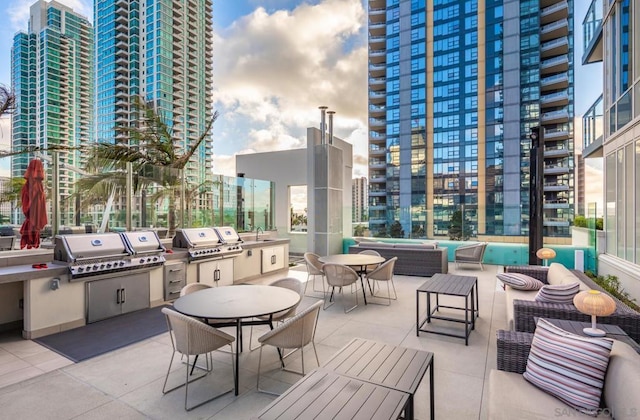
104,253
201,243
230,240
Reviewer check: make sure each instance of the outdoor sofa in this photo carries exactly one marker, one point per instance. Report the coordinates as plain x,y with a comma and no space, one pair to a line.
522,309
511,396
413,259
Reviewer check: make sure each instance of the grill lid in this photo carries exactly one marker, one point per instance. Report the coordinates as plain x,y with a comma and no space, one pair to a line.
145,241
71,248
196,238
228,235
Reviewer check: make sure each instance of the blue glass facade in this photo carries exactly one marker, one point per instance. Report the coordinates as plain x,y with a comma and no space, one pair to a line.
451,100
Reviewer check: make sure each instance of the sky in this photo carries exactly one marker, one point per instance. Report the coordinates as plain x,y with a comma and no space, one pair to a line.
275,63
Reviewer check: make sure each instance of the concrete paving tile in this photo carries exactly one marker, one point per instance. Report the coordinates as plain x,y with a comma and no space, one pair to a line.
112,410
53,395
19,375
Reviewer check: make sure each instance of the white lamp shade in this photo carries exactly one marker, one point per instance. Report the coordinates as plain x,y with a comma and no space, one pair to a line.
545,253
593,302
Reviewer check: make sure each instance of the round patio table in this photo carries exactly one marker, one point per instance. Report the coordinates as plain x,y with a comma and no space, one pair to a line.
235,304
358,262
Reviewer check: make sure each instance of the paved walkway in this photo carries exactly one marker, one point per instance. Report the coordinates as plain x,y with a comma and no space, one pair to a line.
127,383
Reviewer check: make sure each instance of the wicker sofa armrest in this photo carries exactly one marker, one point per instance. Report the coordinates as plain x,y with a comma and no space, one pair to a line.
535,271
513,350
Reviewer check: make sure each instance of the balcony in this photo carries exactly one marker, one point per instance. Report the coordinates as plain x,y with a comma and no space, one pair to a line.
558,46
375,150
554,187
556,170
555,222
555,99
556,134
377,15
377,56
377,83
377,164
377,122
560,151
592,130
592,34
377,28
555,82
377,110
554,65
554,30
554,12
555,117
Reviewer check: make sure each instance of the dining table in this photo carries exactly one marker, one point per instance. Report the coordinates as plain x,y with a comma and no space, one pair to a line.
238,305
358,262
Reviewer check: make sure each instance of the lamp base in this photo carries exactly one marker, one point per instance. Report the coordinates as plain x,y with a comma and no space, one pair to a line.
594,332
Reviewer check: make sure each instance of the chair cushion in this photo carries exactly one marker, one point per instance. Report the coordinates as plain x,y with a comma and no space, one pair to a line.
568,366
520,281
561,293
415,246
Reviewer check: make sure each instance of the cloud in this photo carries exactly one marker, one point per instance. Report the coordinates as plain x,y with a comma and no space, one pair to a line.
273,70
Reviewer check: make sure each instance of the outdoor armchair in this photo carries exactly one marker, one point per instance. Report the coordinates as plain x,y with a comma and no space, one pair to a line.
384,273
314,268
340,276
470,254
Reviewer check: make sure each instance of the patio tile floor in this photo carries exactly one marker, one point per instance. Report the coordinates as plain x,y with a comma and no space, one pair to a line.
127,383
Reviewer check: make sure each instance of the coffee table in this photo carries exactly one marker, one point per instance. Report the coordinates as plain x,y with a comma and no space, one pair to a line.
237,305
451,285
395,367
324,394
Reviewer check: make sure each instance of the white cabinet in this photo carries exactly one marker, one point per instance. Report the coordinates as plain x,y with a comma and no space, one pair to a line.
273,258
247,264
216,273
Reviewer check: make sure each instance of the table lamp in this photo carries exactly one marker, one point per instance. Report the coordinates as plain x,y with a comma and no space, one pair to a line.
545,254
594,303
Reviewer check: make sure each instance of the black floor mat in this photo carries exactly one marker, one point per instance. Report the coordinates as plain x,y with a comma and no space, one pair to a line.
104,336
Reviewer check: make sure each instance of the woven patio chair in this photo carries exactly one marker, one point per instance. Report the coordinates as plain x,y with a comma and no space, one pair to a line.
384,273
193,287
294,334
290,283
191,337
370,267
340,276
470,254
314,268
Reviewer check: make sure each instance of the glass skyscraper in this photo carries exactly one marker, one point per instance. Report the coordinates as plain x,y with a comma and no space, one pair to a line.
454,88
159,51
52,77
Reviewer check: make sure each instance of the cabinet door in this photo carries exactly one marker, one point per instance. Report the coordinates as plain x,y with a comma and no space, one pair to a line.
272,258
103,299
135,292
225,272
247,264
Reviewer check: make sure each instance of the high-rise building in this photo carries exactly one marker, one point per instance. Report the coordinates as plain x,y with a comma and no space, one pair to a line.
52,77
612,131
455,87
360,199
159,51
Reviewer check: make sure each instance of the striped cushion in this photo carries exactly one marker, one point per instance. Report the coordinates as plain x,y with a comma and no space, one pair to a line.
520,281
568,366
558,293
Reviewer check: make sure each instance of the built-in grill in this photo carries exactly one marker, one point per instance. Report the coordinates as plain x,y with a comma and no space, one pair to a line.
230,240
101,254
201,243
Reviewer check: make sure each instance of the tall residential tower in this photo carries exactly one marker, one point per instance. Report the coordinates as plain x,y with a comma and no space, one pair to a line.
52,77
454,88
159,51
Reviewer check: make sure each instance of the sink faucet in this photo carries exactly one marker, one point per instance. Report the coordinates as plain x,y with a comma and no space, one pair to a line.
258,230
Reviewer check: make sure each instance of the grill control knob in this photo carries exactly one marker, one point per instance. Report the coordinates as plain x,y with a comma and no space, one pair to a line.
142,261
80,269
95,267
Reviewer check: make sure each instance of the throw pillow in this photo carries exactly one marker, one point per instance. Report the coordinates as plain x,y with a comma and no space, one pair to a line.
568,366
520,281
558,293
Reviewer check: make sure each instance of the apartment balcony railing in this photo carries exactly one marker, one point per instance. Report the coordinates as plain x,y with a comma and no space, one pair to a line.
554,30
557,81
556,134
554,12
592,33
555,99
554,65
377,122
554,187
593,130
555,47
557,151
555,117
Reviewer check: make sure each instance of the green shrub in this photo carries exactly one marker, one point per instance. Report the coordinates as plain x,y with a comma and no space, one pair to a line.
612,285
580,221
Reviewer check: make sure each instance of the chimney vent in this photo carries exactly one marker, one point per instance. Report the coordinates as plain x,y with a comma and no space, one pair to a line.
331,113
323,124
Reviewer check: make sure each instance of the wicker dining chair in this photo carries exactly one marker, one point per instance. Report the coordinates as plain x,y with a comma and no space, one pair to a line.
314,268
192,288
191,337
370,267
384,273
294,334
290,283
340,276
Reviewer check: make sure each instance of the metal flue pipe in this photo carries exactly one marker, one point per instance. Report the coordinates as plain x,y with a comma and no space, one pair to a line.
331,113
323,124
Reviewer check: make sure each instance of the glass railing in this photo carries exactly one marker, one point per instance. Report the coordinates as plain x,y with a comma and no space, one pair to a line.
593,124
79,197
591,23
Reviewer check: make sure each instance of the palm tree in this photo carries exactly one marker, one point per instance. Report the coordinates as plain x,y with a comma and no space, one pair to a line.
151,152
